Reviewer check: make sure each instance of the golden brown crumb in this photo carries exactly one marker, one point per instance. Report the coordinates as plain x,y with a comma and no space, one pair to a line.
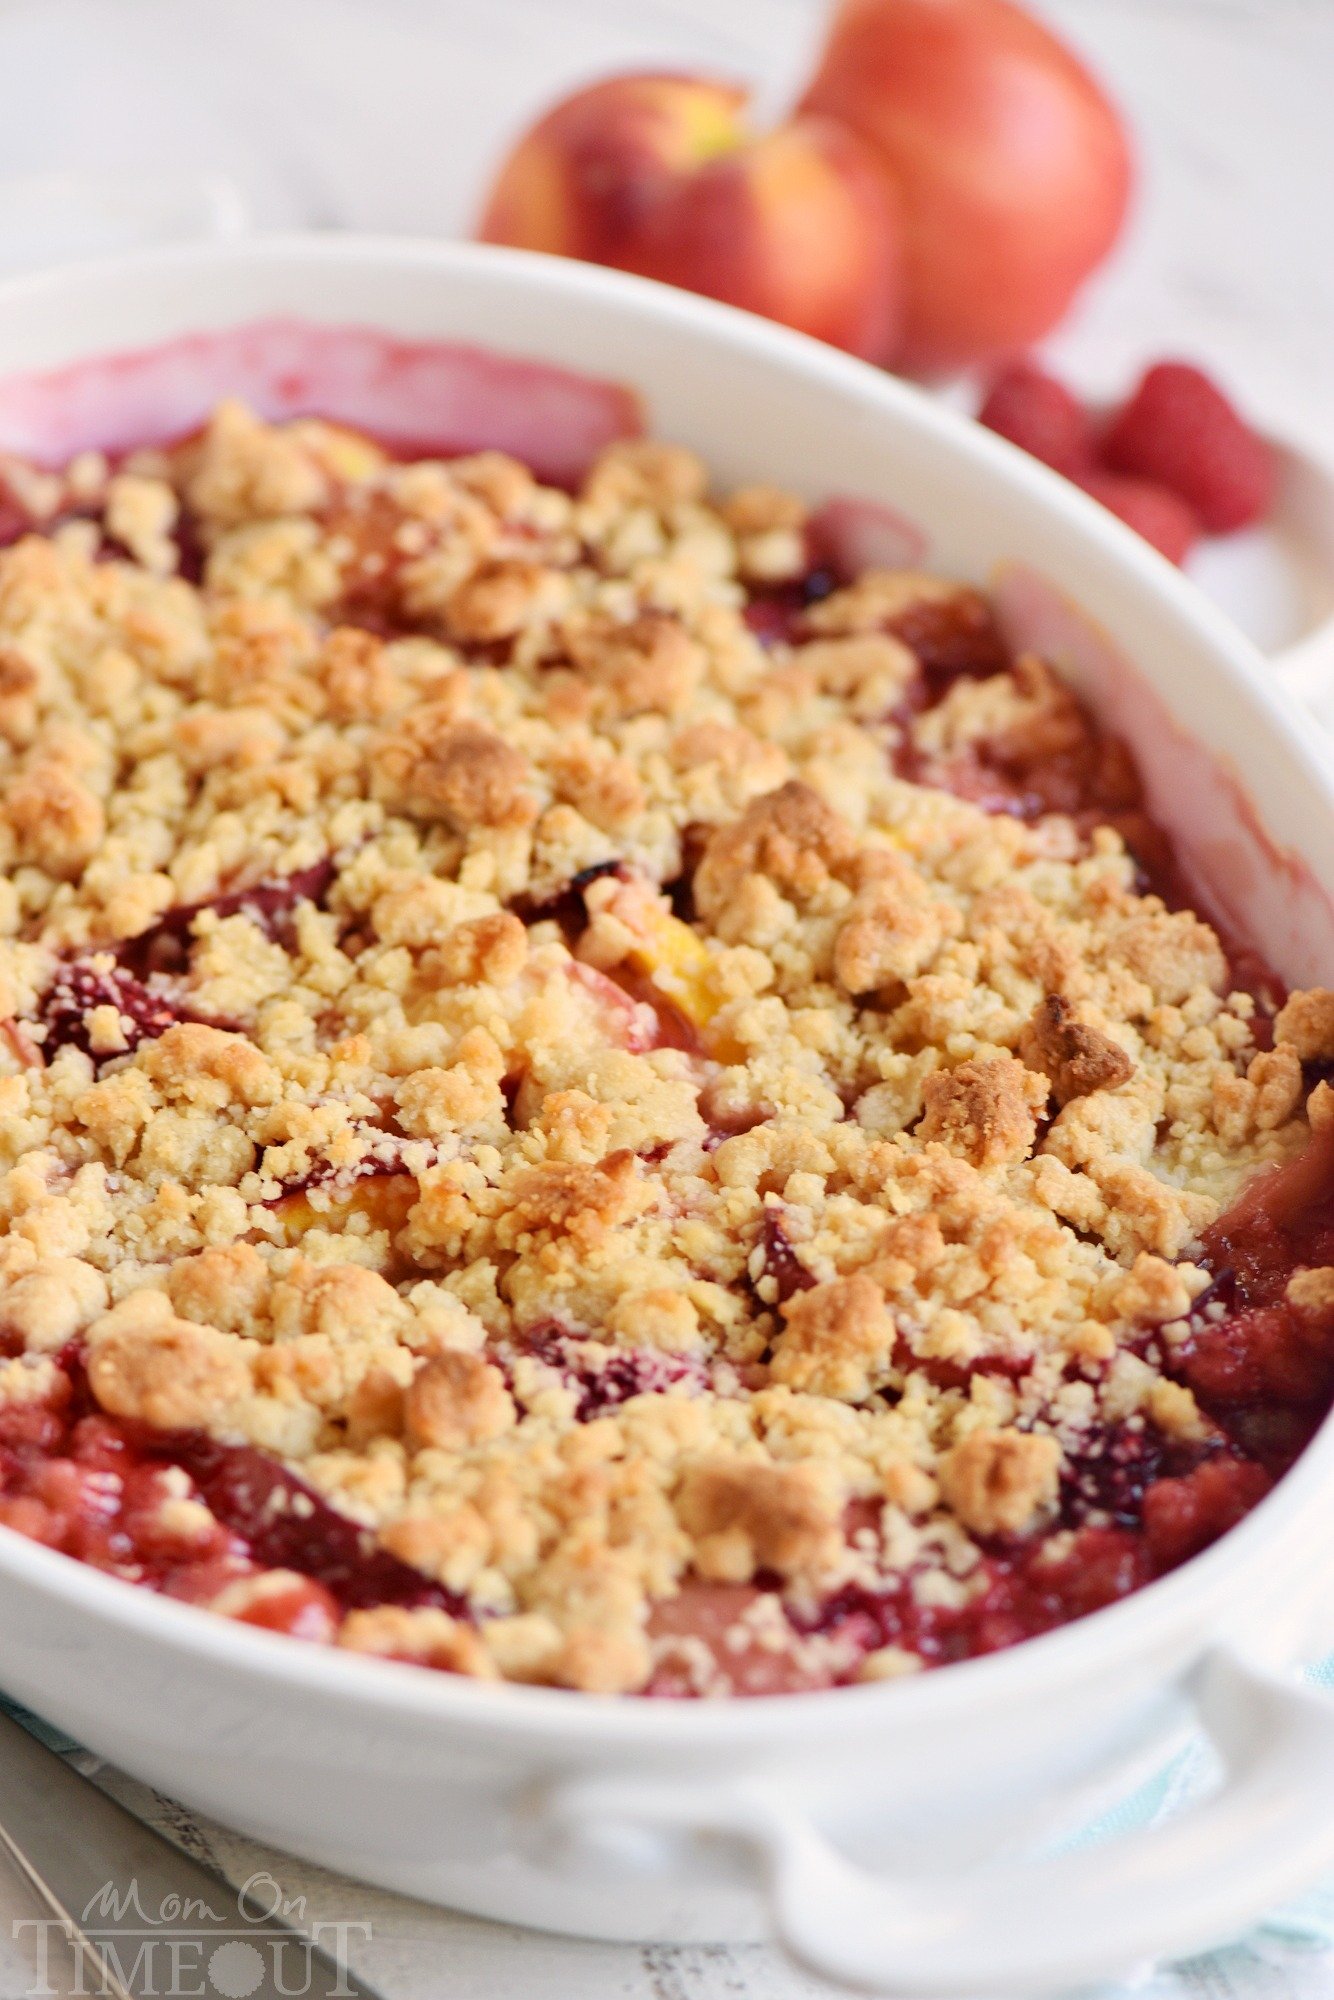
752,510
893,930
879,596
56,820
910,1248
838,1338
1312,1291
48,1307
459,772
606,790
1275,1078
790,836
1151,1291
1320,1108
491,949
205,739
246,470
999,1482
646,665
359,683
1075,1058
431,1638
744,1515
456,1400
375,1409
502,482
889,1663
499,599
451,1545
601,1662
225,1287
1173,952
210,1066
164,1371
141,513
642,471
984,1110
577,1201
1306,1023
869,671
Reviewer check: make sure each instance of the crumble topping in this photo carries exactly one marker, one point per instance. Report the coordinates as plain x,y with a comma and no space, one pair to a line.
1075,1058
998,1481
626,1099
1305,1024
984,1111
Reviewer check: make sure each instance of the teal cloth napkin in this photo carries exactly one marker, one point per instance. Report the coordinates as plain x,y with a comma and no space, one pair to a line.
1286,1957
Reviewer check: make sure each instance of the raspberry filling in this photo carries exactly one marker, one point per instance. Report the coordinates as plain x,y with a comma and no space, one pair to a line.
1132,1508
602,1381
191,1517
1257,1351
141,981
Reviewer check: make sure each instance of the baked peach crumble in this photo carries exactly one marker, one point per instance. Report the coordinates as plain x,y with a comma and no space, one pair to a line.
589,1101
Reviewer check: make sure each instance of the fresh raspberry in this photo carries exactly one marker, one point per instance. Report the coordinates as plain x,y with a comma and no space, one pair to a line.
1161,516
1181,431
1040,415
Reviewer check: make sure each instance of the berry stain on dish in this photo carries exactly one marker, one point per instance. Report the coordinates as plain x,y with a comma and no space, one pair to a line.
599,1092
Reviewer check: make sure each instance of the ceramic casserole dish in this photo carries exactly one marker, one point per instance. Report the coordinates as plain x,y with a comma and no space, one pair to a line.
900,1836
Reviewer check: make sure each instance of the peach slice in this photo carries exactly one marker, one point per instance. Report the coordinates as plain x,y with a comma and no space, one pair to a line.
382,1199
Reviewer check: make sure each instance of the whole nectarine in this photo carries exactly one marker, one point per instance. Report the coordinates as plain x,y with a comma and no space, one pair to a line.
660,175
1012,166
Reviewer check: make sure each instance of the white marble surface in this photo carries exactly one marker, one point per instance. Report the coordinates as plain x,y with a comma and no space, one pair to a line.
384,114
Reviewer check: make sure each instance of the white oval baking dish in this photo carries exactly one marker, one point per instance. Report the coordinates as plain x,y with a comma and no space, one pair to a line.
881,1831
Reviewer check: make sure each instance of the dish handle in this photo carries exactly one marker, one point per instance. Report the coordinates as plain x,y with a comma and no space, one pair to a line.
1031,1927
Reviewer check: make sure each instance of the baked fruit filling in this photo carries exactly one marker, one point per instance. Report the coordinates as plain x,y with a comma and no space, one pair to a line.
585,1099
